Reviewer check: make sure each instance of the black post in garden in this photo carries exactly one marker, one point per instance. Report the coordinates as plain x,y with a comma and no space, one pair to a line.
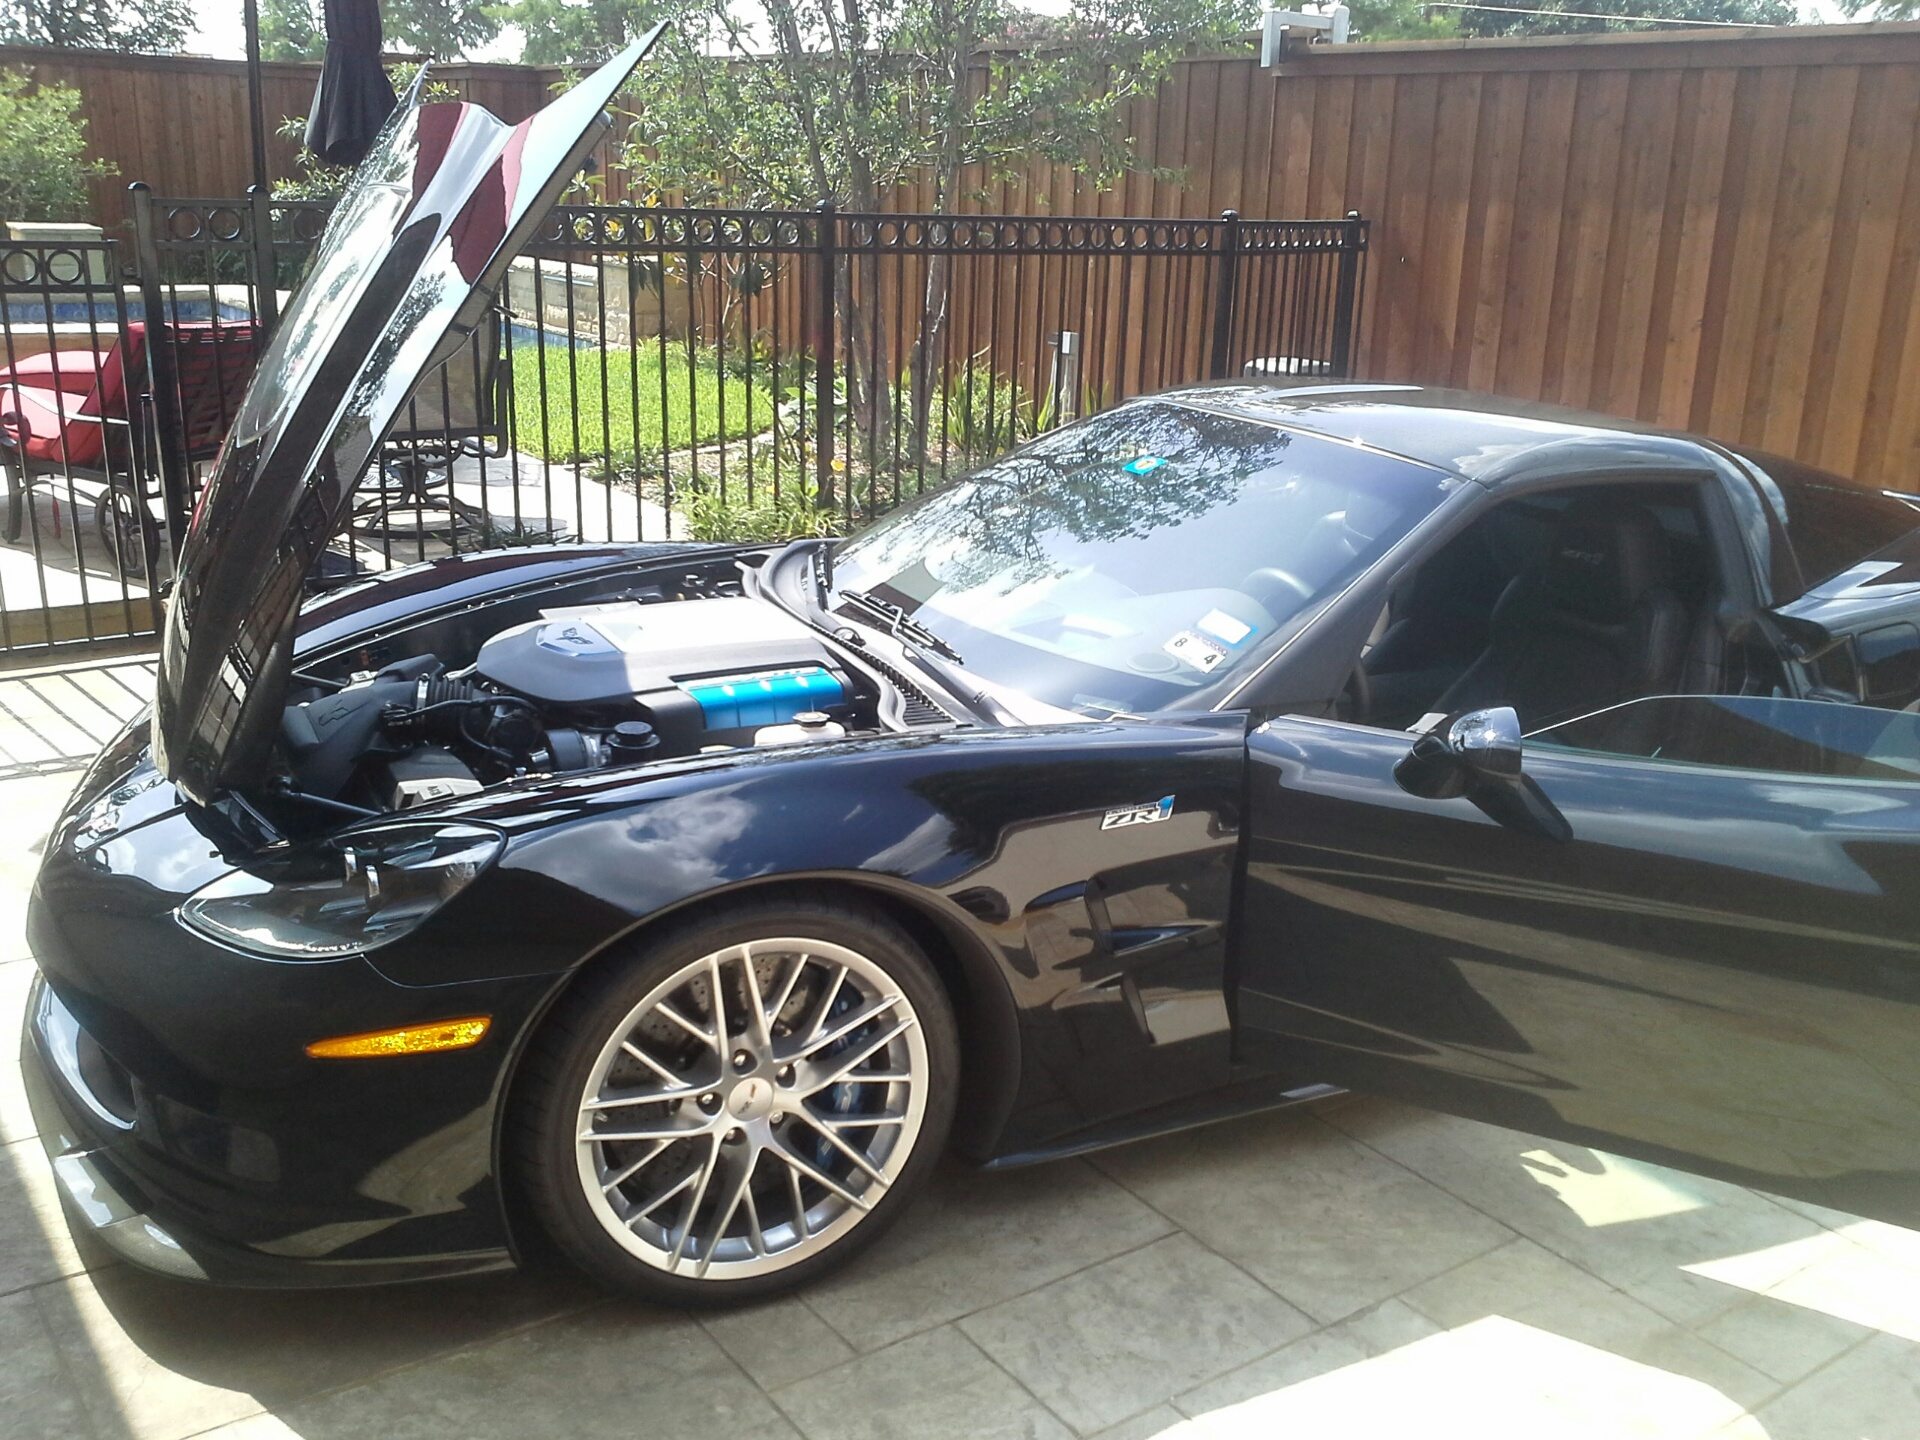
256,98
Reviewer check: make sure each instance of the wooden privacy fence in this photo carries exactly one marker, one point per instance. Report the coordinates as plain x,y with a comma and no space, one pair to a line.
1718,234
1719,231
179,122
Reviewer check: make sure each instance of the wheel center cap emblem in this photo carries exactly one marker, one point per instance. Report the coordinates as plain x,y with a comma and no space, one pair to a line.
752,1099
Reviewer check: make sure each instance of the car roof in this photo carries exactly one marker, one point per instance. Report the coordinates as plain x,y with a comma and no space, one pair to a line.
1483,438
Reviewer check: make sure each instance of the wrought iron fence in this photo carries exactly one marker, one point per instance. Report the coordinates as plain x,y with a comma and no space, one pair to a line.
75,444
654,373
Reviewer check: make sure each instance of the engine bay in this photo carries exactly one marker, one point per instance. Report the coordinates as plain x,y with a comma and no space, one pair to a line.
576,688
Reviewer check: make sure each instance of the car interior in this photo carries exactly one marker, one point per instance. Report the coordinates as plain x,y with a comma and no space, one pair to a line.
1557,604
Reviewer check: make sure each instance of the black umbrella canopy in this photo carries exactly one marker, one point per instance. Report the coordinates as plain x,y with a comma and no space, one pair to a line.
354,96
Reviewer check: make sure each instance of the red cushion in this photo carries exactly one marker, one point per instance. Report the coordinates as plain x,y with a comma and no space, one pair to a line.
30,418
74,371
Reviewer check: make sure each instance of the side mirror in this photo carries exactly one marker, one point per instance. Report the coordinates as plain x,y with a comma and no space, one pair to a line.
1479,755
1487,742
1461,754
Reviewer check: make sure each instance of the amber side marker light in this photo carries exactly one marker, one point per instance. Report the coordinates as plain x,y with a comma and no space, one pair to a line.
404,1040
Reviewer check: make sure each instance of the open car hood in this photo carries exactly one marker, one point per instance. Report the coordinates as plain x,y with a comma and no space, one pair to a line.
405,271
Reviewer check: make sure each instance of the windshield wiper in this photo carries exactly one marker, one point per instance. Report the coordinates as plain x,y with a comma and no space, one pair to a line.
919,645
935,656
900,625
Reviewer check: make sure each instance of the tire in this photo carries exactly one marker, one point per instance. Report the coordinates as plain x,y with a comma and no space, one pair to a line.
786,1129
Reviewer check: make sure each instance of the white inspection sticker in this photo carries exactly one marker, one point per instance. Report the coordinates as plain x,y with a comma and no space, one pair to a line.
1223,626
1195,649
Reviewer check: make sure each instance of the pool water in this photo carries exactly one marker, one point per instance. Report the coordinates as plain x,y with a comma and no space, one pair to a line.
100,310
524,336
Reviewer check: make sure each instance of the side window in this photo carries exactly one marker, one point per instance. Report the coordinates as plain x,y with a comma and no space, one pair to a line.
1838,671
1878,667
1556,604
1751,732
1889,661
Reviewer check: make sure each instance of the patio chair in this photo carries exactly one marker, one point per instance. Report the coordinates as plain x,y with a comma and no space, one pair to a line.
458,409
71,420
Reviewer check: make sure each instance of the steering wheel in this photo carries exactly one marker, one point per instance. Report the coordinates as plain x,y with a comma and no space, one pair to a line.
1355,701
1262,583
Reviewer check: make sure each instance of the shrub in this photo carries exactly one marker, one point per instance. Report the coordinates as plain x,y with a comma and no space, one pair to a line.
44,167
762,514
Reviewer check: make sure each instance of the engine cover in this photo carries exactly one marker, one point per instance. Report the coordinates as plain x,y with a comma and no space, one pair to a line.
698,670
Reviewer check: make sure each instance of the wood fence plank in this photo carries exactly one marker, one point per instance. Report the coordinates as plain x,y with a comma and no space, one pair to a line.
1890,429
1507,117
1760,135
1415,125
1592,173
1535,247
1885,148
1695,194
1803,231
1640,218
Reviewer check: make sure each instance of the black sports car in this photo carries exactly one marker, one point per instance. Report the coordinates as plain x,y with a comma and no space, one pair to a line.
679,905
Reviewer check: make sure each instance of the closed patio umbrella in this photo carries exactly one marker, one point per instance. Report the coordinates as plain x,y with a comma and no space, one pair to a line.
354,95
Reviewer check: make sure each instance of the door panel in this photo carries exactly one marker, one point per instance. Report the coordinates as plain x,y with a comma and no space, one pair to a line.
1720,970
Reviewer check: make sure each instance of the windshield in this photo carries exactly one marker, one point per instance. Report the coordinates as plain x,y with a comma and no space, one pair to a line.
1122,563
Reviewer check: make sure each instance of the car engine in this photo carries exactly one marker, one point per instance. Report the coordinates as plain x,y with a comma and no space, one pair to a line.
576,689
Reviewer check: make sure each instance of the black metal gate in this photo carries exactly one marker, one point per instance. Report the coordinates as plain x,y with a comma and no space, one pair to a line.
647,373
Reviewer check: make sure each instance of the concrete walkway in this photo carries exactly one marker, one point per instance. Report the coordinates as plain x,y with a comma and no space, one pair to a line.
1363,1269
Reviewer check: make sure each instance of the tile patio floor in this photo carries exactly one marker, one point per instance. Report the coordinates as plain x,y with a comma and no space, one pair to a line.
1360,1269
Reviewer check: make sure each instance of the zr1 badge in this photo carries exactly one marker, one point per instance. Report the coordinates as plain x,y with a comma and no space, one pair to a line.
1149,814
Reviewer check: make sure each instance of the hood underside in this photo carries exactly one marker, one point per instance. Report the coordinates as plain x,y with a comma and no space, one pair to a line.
411,259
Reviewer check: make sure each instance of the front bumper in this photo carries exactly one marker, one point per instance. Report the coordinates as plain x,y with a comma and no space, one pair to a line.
79,1130
187,1126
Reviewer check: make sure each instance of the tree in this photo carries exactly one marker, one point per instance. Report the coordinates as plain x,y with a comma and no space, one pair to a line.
1882,9
290,30
44,167
1569,18
439,29
1401,20
578,32
860,97
151,25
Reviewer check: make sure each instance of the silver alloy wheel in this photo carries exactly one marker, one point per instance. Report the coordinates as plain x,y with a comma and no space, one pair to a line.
752,1108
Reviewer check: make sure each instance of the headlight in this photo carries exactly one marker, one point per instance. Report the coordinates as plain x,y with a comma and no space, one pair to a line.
359,891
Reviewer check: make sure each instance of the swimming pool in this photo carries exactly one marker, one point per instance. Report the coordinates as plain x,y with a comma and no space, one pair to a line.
100,310
524,335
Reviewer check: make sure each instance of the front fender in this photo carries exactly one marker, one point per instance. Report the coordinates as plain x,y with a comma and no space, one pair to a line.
1108,945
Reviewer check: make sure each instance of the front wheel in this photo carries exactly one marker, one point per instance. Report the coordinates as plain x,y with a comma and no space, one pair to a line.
741,1105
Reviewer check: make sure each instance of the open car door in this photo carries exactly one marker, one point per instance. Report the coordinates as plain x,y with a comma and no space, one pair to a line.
1686,929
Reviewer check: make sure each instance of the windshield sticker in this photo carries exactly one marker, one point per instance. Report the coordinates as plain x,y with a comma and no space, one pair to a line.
1195,649
1144,464
1223,627
1149,814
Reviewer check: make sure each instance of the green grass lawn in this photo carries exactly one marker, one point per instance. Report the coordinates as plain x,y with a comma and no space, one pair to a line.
687,413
